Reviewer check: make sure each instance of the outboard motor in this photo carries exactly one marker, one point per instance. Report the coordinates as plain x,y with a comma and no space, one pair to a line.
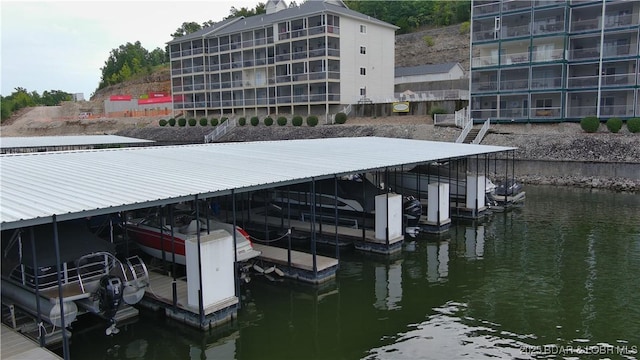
412,211
110,297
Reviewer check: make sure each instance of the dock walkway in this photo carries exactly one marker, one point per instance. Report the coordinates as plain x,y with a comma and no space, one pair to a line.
16,346
301,264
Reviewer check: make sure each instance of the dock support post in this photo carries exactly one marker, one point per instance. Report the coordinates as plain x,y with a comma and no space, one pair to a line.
200,300
56,242
335,208
236,276
289,221
313,227
37,284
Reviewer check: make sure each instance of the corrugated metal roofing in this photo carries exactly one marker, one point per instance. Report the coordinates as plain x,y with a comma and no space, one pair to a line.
44,141
73,184
424,69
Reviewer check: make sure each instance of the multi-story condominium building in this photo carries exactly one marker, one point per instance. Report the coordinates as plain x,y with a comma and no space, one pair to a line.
554,60
309,59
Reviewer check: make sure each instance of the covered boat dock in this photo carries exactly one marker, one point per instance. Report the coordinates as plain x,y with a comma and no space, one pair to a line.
51,187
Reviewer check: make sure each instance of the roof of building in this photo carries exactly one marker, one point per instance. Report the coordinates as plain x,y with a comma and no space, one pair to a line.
72,184
51,141
425,69
262,20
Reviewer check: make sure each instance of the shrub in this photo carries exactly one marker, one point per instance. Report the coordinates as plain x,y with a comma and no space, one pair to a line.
172,122
341,118
242,121
464,27
437,110
163,122
214,122
614,125
268,121
633,125
296,120
428,40
182,122
204,122
282,121
223,119
312,120
254,120
192,122
590,124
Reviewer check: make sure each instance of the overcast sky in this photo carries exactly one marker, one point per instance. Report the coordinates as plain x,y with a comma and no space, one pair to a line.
61,45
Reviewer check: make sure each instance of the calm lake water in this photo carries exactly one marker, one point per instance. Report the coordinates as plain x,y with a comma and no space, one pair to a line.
559,277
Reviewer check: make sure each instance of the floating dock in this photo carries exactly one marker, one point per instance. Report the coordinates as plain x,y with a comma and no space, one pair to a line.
159,296
326,234
301,267
17,346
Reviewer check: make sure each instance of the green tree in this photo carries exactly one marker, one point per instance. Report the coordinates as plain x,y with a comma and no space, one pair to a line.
186,28
128,61
234,12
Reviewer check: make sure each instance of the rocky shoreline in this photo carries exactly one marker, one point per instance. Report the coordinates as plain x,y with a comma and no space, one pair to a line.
564,142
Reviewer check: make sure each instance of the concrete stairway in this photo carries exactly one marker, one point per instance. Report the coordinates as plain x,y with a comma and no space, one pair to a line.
471,135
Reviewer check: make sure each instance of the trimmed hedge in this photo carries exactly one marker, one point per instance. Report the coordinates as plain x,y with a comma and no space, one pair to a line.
633,125
214,122
341,118
282,121
163,122
312,120
182,122
255,121
268,121
204,122
590,124
242,121
437,110
172,122
614,125
296,120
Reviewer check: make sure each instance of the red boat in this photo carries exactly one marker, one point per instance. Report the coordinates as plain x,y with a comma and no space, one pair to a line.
153,235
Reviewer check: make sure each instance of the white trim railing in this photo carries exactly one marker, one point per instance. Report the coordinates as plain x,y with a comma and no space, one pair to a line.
220,130
465,131
482,133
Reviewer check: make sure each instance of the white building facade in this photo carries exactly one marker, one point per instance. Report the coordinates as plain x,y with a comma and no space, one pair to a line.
315,58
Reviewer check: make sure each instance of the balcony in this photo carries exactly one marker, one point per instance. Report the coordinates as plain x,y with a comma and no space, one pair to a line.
546,112
483,61
619,80
511,85
577,82
515,31
481,86
614,21
553,55
612,51
486,9
545,83
484,35
616,110
584,54
585,25
542,27
513,5
515,58
581,111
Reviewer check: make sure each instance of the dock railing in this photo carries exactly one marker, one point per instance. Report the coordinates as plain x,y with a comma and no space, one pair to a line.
220,130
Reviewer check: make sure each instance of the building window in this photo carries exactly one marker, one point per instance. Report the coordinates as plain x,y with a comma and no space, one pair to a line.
363,50
363,91
363,29
363,71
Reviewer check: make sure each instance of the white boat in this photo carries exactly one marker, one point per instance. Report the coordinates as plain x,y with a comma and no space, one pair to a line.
415,181
92,278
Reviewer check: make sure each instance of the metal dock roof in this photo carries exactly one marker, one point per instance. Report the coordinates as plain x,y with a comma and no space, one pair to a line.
73,184
72,140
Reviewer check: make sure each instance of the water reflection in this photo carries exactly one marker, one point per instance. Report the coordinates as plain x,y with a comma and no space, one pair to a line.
388,286
437,261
